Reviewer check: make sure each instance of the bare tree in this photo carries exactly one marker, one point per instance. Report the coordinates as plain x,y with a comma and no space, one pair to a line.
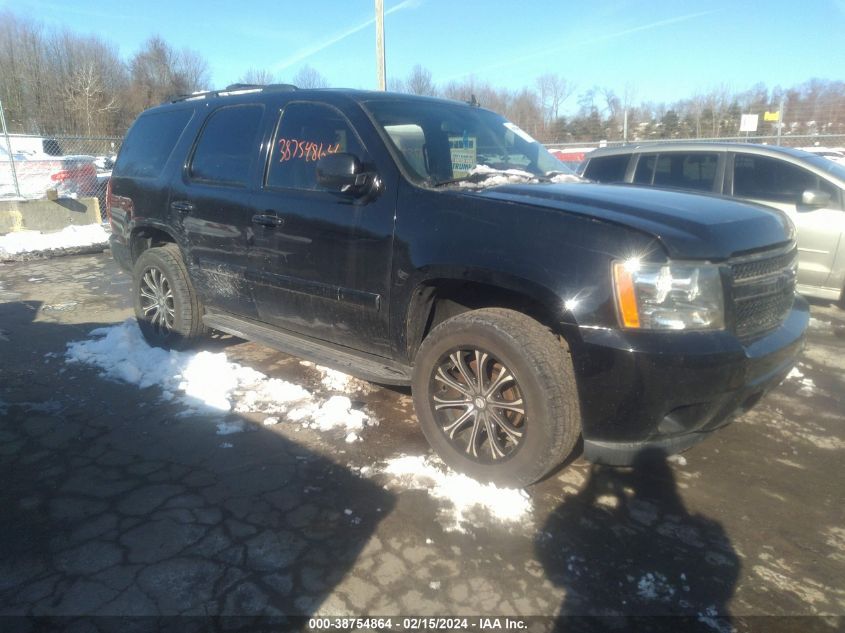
257,76
308,77
554,91
88,98
192,70
419,82
394,84
159,73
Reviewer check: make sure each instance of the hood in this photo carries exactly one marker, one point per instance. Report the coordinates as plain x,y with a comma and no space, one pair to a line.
690,226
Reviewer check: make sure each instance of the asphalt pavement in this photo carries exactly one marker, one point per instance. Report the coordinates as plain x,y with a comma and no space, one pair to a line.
116,501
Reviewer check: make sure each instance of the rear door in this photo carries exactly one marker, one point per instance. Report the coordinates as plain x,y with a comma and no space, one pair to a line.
607,168
322,259
211,202
689,170
781,184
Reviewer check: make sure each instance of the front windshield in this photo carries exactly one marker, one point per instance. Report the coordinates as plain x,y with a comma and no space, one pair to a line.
444,142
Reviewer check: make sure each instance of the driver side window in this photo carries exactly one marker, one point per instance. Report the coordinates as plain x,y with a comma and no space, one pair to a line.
306,133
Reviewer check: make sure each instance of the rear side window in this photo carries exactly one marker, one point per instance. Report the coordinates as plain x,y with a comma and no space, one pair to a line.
684,170
607,168
150,143
227,145
772,180
306,133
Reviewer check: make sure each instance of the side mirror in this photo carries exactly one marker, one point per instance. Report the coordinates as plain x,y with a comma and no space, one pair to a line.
815,198
343,173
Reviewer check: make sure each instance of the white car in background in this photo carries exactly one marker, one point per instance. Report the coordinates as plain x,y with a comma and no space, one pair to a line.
836,155
809,188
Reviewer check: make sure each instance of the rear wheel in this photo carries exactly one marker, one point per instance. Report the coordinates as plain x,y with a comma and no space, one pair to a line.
166,306
494,391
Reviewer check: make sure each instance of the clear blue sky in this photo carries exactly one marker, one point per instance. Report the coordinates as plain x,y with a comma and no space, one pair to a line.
663,49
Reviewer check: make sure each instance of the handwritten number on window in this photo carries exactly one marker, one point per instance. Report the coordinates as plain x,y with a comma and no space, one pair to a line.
309,151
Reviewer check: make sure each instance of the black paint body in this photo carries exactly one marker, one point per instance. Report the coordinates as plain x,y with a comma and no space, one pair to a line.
350,271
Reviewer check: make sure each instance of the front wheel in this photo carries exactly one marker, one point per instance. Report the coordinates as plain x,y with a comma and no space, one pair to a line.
166,306
494,391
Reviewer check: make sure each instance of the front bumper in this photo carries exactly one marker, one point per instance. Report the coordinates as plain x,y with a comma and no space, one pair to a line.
671,390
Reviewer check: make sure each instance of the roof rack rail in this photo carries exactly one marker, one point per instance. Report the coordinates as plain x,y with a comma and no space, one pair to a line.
233,88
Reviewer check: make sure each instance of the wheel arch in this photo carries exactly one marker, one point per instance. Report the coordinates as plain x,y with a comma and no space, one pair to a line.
438,298
147,236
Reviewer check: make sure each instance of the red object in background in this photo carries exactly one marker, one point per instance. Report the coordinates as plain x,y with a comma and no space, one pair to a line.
568,157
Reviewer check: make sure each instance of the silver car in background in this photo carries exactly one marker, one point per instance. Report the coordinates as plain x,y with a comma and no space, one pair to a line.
808,187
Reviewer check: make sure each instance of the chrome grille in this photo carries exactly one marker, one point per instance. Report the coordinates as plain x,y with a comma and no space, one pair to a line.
763,290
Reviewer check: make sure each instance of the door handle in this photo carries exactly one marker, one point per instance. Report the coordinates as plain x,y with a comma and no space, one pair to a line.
268,219
182,205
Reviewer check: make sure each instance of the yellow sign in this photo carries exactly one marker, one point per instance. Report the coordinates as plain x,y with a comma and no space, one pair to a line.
772,116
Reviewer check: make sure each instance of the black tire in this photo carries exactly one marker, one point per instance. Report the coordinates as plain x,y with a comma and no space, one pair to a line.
163,267
542,387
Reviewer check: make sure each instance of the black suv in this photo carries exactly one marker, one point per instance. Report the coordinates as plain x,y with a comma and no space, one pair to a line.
425,242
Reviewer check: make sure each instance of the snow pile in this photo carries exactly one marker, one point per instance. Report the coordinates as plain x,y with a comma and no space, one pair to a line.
335,413
35,241
497,177
559,178
208,382
463,494
334,380
491,177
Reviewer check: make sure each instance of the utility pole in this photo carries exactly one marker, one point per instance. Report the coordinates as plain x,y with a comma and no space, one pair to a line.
380,44
780,118
625,127
9,149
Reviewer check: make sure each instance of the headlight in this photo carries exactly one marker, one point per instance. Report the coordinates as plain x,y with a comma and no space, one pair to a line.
673,296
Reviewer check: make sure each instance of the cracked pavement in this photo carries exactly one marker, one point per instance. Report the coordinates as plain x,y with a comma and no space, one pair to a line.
115,504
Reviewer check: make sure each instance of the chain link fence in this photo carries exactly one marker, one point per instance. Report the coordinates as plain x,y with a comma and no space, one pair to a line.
34,166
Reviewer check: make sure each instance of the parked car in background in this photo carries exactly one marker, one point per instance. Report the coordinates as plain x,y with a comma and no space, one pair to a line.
808,187
37,172
836,155
572,157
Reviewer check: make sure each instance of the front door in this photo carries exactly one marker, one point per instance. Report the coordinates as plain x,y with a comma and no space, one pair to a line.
779,184
321,258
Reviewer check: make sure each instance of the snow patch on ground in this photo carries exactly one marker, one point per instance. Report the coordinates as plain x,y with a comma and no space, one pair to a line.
227,428
334,413
710,617
209,383
807,384
680,460
463,495
36,241
655,586
333,380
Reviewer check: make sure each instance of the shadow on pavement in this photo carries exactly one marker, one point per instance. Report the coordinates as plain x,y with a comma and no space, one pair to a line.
115,505
626,547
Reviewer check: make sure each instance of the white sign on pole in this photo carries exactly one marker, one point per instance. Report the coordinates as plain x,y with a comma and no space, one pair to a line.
748,123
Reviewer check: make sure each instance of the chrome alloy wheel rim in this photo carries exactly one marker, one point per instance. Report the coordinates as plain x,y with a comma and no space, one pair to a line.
157,301
478,405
